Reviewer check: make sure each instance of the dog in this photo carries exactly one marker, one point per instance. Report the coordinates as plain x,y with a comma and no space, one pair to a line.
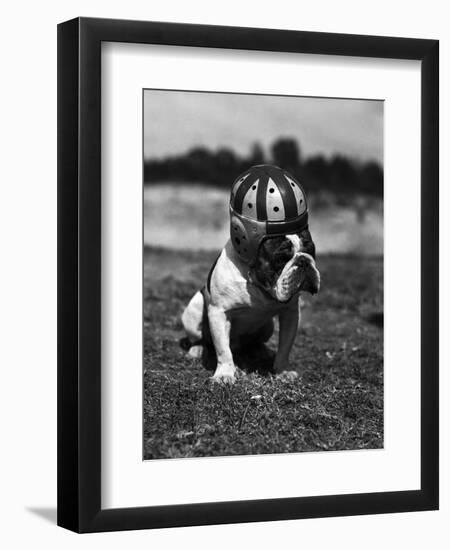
239,302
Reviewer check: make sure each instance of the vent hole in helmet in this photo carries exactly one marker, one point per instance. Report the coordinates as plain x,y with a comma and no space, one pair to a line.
254,187
243,237
236,228
237,241
271,190
293,184
301,200
275,208
250,205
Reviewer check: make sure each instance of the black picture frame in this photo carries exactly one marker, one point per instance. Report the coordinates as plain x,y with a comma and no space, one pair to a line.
79,274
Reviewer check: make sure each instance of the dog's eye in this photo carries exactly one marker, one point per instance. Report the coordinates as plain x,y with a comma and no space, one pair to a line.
284,251
286,246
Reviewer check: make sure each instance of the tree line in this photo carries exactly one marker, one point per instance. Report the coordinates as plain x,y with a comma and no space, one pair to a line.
338,174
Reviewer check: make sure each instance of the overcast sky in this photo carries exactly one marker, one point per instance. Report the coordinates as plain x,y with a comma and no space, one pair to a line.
174,122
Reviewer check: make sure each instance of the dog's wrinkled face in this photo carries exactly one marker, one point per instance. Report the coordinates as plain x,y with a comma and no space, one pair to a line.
285,265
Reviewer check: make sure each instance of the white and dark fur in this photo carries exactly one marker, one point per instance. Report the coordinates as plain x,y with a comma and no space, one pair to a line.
241,303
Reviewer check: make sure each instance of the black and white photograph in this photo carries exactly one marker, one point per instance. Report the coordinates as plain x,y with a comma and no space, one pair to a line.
226,255
262,274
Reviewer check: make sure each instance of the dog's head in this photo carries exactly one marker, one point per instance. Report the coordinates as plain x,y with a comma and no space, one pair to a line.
286,265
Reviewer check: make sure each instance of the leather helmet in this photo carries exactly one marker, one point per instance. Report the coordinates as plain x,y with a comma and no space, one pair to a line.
266,201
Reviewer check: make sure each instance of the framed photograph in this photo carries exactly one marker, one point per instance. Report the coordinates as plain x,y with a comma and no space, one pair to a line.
247,275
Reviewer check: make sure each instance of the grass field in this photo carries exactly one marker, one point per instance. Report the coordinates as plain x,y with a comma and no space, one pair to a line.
336,402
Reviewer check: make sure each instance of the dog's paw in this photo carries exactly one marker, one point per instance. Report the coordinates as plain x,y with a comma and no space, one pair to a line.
225,374
287,375
195,352
227,379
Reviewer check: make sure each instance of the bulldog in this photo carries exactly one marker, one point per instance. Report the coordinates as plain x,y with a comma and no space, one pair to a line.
239,302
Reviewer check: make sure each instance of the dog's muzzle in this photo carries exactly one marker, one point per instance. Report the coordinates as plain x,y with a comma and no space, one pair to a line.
295,275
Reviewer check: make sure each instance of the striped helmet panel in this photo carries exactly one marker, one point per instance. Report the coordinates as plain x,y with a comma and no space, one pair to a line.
237,197
238,182
299,195
268,193
275,208
249,206
261,202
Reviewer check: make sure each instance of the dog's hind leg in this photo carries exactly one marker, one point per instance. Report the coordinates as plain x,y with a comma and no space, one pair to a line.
192,320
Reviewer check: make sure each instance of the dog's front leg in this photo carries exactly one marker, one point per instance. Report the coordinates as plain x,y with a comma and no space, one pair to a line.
288,331
220,325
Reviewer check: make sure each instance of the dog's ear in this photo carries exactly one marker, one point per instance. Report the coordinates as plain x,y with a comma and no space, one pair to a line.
311,281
